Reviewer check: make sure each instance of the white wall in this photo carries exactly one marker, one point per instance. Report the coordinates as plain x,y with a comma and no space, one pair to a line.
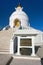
39,39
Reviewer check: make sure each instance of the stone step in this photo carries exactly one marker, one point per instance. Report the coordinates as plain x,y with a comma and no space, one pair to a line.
26,57
4,51
2,46
5,36
5,47
24,61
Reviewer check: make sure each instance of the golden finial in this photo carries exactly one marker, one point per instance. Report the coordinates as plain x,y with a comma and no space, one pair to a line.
19,5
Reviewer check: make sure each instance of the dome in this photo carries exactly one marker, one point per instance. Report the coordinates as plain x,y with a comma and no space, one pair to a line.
20,16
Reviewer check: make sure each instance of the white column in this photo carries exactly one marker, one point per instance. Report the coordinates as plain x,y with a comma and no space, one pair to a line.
18,48
33,47
11,47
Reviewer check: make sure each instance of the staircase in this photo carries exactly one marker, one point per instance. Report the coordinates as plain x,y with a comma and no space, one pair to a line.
5,37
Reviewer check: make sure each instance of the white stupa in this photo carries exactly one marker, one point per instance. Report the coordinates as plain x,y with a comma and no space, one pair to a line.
20,15
20,37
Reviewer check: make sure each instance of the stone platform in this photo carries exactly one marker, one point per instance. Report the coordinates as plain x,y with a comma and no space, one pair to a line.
26,57
7,59
25,60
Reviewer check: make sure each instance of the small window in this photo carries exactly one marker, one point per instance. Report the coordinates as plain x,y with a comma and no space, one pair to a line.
25,42
26,51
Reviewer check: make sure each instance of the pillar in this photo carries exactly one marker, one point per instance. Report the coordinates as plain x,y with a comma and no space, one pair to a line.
11,46
18,48
33,47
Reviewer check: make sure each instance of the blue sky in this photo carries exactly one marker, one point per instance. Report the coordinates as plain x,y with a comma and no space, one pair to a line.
33,8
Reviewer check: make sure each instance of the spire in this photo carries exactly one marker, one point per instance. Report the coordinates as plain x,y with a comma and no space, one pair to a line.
19,7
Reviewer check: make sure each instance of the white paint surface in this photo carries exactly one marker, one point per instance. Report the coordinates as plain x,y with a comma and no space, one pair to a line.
21,15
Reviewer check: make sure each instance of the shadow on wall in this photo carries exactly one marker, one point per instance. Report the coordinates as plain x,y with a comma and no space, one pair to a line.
15,45
41,61
36,49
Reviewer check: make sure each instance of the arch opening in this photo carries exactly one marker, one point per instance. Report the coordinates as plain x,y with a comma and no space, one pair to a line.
17,23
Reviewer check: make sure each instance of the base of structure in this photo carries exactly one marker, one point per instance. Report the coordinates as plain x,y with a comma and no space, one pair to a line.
17,54
26,57
33,54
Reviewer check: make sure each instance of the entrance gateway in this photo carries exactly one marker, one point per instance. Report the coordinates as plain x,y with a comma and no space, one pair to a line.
23,46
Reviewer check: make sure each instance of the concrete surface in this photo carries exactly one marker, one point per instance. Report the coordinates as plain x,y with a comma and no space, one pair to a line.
25,62
7,59
4,58
40,52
